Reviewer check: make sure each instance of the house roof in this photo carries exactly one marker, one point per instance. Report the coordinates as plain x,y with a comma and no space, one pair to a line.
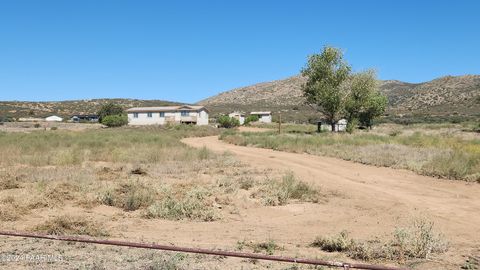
168,108
261,113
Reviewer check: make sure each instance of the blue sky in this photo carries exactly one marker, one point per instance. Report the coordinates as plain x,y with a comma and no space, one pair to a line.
189,50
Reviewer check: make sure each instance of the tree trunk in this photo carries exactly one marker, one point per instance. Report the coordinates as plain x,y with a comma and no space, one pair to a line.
333,126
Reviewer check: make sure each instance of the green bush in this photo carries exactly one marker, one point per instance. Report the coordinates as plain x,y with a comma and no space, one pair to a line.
228,122
251,118
109,109
115,120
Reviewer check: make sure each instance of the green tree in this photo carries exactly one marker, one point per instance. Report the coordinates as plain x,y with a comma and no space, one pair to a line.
375,106
364,101
326,76
251,118
115,120
109,109
228,122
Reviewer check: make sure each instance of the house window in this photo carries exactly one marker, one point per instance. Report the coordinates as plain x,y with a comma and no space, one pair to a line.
184,113
162,114
135,115
149,114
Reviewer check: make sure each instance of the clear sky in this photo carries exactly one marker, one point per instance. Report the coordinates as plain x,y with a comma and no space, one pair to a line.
189,50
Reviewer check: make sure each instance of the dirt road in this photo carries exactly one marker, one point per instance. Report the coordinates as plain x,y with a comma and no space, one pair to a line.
370,201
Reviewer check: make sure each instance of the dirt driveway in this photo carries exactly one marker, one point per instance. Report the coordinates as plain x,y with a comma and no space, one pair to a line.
373,200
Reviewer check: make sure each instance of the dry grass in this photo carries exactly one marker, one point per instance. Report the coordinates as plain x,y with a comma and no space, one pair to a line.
417,241
70,225
280,192
436,152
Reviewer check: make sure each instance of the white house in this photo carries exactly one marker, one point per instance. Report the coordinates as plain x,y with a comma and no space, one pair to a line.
187,114
263,117
238,115
54,118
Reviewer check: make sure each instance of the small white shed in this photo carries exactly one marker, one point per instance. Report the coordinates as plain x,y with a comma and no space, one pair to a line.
54,118
263,117
238,115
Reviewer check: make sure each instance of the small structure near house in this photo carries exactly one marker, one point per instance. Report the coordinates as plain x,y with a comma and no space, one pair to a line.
84,118
240,116
324,125
54,118
184,114
263,117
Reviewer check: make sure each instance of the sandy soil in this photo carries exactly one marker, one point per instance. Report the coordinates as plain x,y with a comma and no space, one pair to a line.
371,201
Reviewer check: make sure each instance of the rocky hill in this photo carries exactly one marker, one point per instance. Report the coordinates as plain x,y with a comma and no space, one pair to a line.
17,109
441,97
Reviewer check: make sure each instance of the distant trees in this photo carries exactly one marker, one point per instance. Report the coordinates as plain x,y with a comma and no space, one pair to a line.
112,115
226,121
336,92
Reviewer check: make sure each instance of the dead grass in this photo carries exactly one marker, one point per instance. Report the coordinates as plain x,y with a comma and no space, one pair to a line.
280,192
70,225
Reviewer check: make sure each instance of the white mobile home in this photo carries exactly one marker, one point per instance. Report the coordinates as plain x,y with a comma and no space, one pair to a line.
238,115
263,117
186,114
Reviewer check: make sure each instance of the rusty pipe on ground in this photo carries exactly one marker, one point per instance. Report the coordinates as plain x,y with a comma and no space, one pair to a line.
201,251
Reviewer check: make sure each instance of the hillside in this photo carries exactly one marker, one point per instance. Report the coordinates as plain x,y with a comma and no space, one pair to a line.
67,108
443,97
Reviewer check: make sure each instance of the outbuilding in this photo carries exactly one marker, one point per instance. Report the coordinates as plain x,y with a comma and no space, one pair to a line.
263,117
54,118
240,116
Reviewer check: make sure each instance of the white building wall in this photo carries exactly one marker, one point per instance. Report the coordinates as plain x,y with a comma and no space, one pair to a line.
173,117
264,118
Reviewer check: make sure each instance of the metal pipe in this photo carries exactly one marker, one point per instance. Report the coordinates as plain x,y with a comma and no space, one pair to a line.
200,251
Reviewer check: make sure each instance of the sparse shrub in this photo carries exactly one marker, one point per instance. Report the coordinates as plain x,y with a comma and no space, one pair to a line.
37,125
7,181
192,205
274,192
115,120
268,247
204,153
246,183
69,225
395,133
174,262
337,243
228,122
53,128
418,240
128,196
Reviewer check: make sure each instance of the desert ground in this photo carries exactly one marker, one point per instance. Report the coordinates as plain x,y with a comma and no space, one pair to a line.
185,187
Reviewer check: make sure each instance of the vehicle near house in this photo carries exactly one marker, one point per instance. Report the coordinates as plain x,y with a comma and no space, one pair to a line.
184,114
263,117
54,118
240,116
84,118
324,125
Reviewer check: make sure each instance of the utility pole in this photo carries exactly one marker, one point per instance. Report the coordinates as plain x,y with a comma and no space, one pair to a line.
279,122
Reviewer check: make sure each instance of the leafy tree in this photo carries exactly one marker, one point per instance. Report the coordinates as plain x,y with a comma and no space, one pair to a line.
115,120
228,122
251,118
364,101
338,93
326,76
374,107
109,109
